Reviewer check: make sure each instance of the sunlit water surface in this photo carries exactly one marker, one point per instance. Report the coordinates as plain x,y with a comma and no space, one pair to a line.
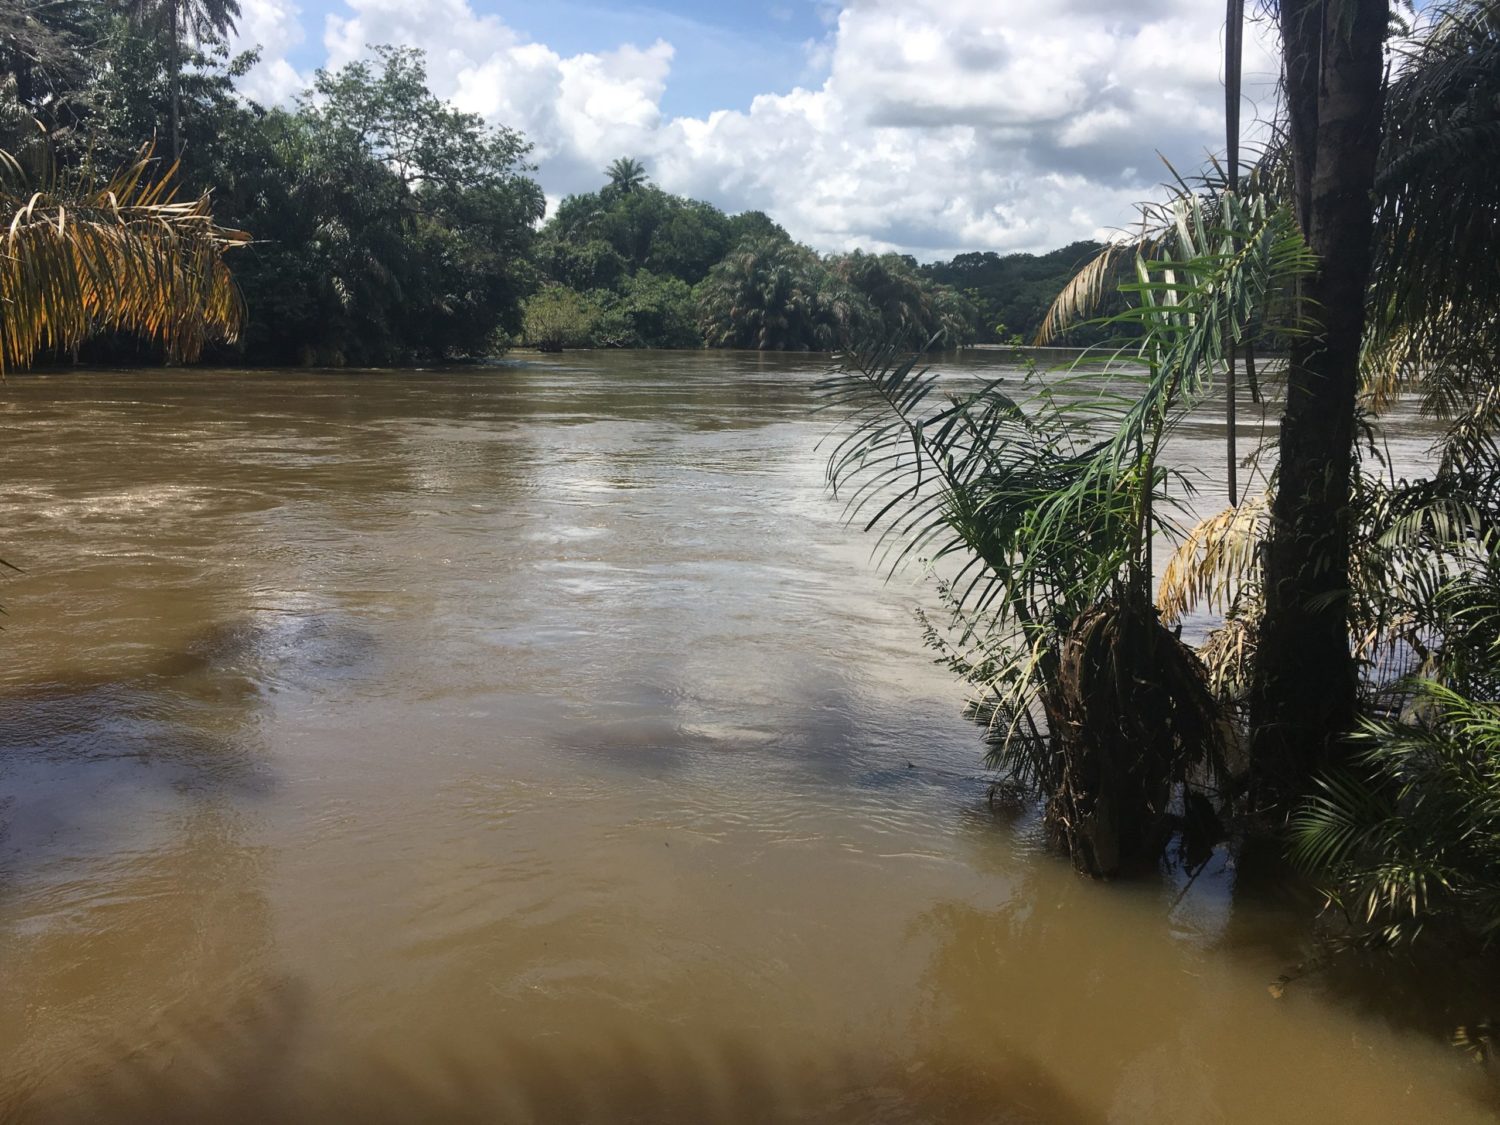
535,743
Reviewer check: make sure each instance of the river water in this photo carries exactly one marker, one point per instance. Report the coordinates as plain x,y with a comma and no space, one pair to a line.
534,743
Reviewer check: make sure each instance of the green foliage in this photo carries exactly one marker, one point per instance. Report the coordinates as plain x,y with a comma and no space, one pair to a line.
894,298
1433,321
1012,292
626,174
556,318
410,222
598,238
593,264
754,225
46,66
648,312
200,20
765,295
1406,839
756,288
1412,838
390,227
659,312
772,294
1043,510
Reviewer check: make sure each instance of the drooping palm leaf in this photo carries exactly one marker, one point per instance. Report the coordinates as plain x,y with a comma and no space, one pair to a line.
128,257
1414,834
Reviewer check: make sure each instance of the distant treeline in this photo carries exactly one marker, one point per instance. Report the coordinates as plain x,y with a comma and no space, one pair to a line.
1012,292
390,227
631,265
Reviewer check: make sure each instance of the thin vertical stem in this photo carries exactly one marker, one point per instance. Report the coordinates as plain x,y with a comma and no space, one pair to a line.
1234,24
176,65
1250,374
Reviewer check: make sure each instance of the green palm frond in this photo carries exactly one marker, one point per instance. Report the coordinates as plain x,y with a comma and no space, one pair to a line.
1414,835
1042,506
1436,288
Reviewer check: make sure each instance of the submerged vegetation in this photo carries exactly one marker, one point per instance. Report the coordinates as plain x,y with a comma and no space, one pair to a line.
1051,508
1348,701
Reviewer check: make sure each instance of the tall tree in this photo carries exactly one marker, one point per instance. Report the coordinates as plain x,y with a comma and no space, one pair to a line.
200,20
626,174
1304,692
42,49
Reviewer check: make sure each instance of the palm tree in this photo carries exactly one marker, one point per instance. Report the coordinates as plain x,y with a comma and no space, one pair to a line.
626,175
1322,164
1048,508
1305,681
901,302
127,256
763,295
1405,838
202,20
41,49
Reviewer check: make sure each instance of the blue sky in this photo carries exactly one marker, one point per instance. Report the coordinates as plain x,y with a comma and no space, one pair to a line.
726,53
926,126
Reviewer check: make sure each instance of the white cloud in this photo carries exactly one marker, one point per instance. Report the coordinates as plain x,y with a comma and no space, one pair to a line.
580,111
941,125
276,27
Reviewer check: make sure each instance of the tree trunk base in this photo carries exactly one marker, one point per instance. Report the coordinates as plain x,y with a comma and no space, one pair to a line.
1131,718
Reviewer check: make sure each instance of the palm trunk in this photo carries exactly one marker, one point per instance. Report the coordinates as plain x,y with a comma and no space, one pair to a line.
175,66
20,66
1304,693
1234,26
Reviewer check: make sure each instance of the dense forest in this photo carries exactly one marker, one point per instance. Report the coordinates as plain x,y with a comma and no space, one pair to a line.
388,227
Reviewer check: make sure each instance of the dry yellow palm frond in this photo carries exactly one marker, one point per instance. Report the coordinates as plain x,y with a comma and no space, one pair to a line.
127,257
1215,560
1083,294
1228,653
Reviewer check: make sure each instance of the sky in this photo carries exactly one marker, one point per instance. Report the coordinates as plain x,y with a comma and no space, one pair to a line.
929,127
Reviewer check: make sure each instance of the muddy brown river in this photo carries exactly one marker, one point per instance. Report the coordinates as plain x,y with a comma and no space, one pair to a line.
534,743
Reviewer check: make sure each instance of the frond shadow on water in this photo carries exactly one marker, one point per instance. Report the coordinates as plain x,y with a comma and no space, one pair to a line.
242,1065
818,730
99,754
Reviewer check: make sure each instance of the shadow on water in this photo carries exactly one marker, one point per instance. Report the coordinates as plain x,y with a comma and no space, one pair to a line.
1430,989
131,887
819,733
179,947
586,564
241,1066
88,765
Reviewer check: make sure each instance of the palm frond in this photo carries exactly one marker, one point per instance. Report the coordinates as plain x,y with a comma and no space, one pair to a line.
127,257
1084,293
1216,561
